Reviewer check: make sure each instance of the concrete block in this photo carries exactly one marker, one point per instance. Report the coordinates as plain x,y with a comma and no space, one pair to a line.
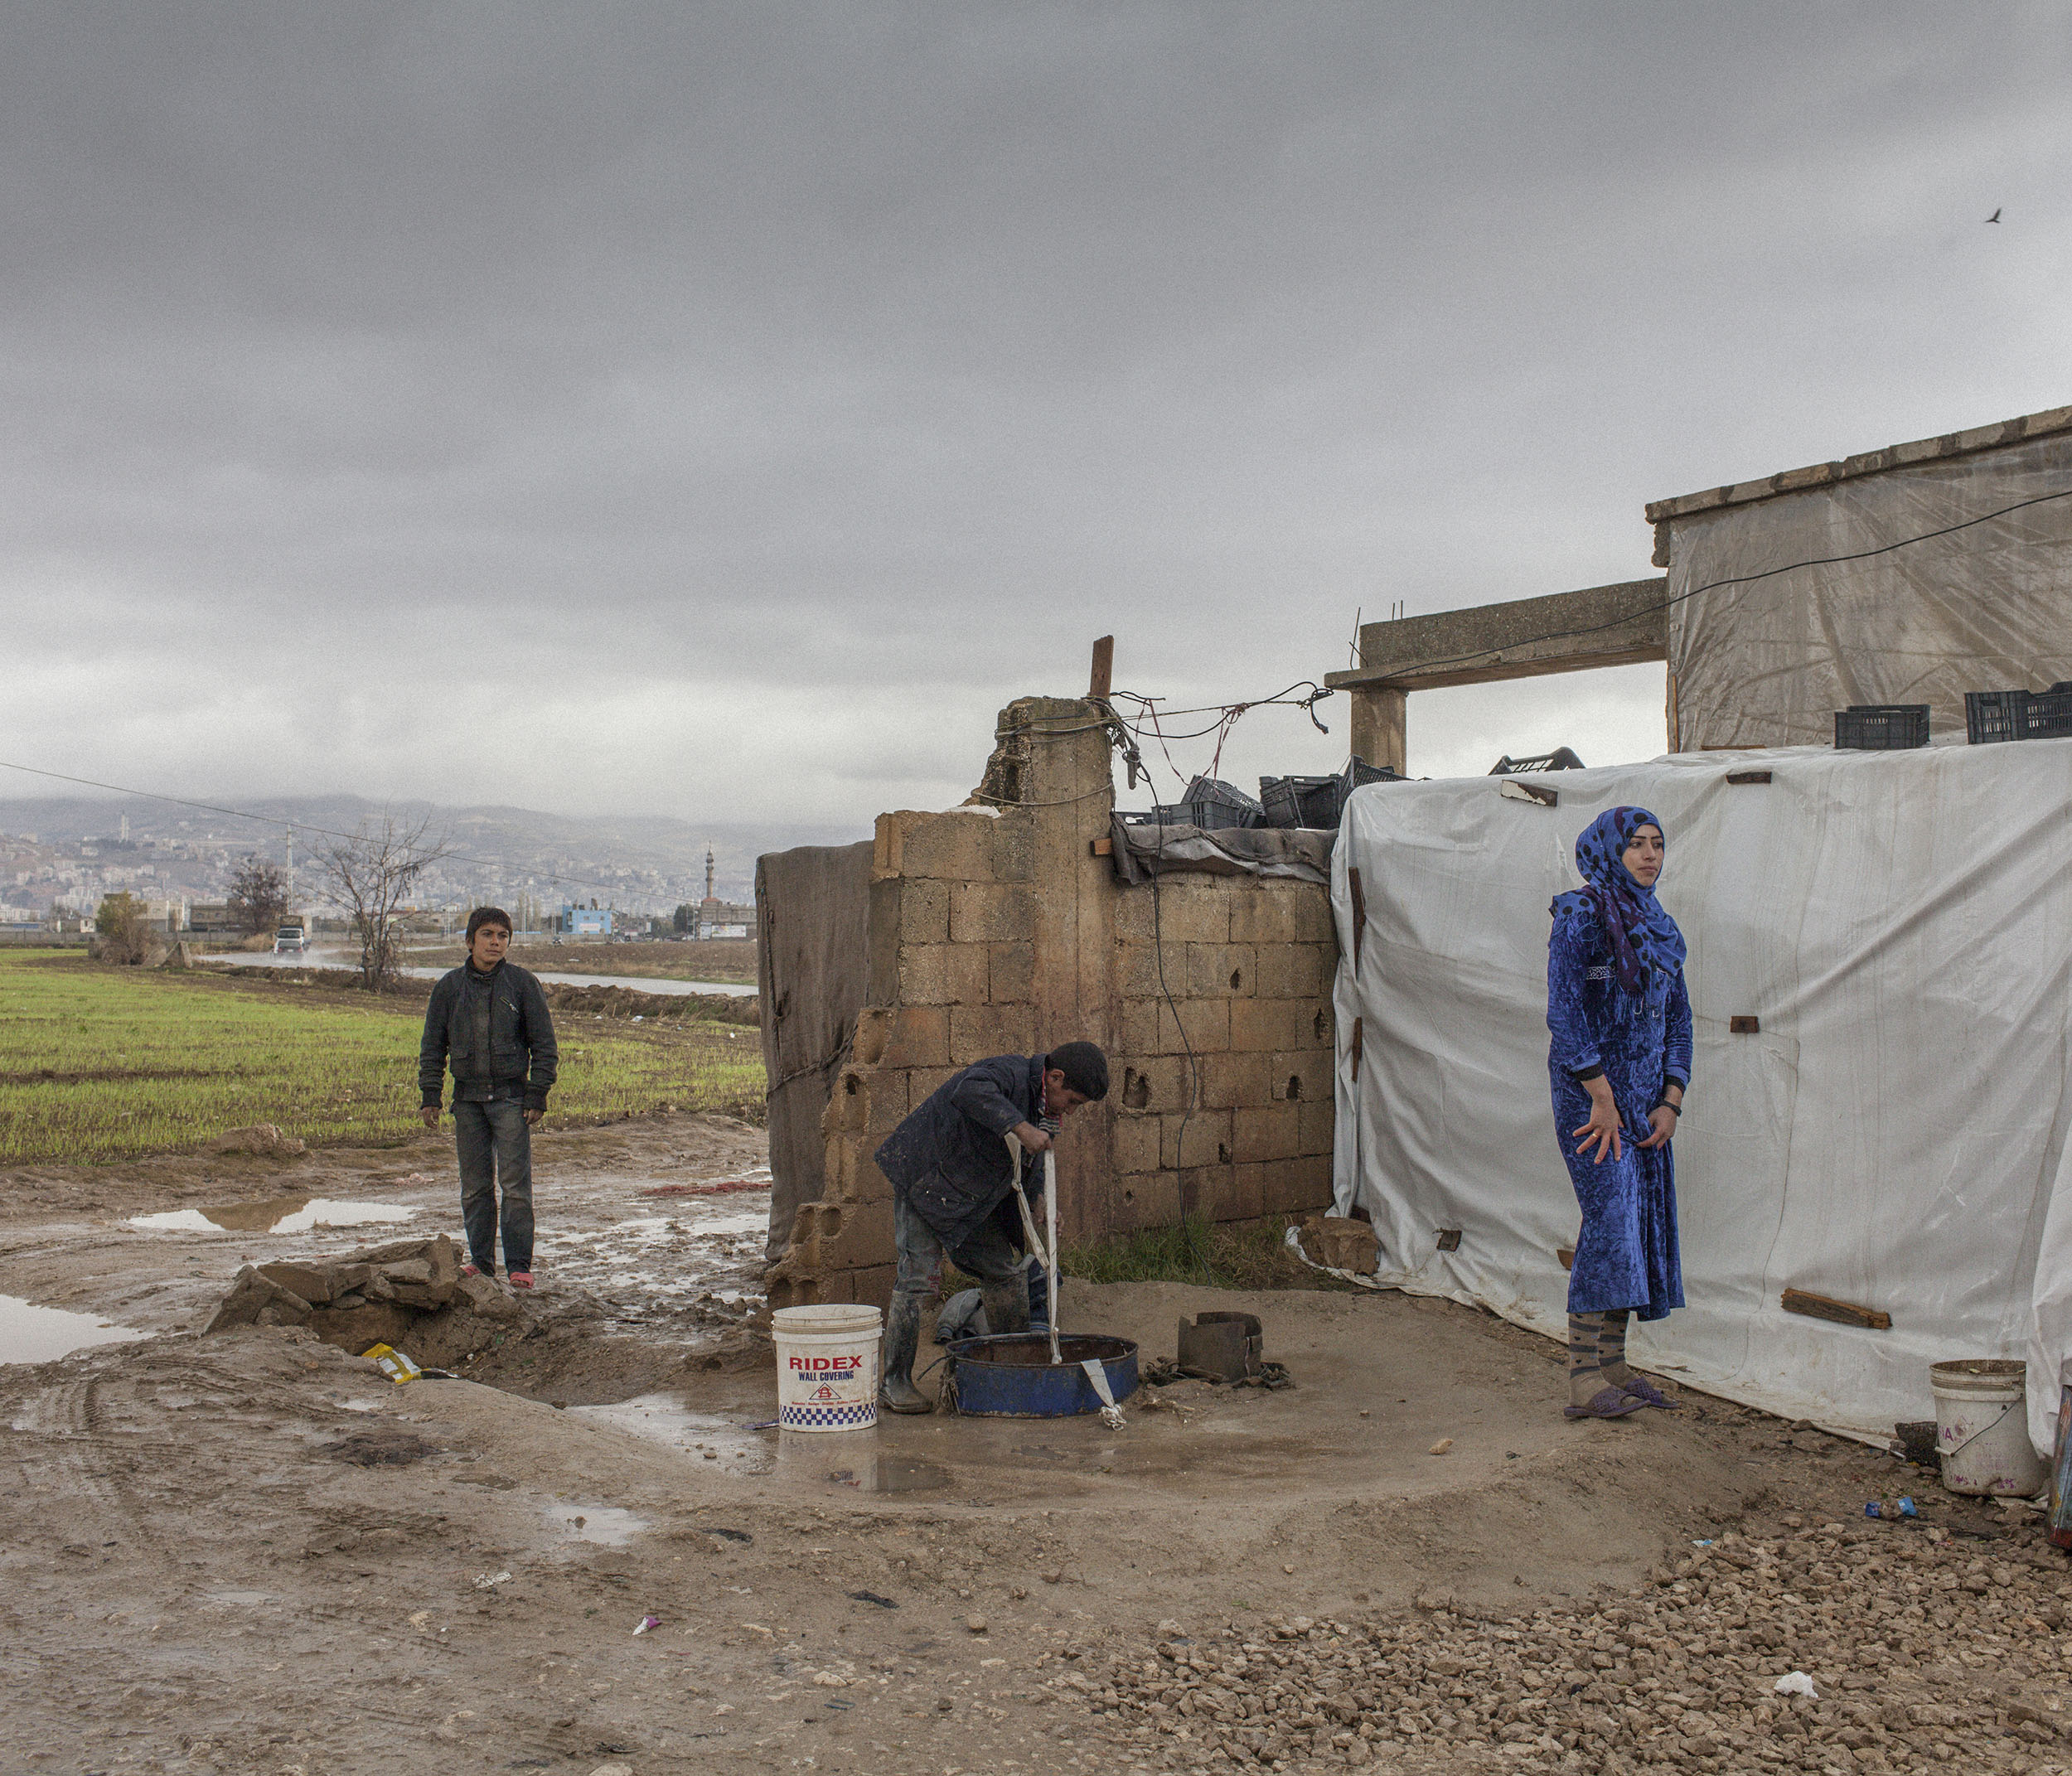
888,849
1192,909
1133,920
1263,911
1142,1199
1318,1125
1265,1131
866,1233
1296,1186
1137,1027
1319,1028
1313,921
1267,1024
944,974
1011,970
1296,971
851,1174
873,1024
1014,847
912,1036
1229,1079
1233,1193
924,911
885,1104
848,1104
922,1082
977,1032
991,912
1136,971
1206,1140
1137,1140
1153,1082
881,968
949,848
1221,971
1300,1076
1201,1025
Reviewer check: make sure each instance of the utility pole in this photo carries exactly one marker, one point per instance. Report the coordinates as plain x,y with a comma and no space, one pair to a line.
288,894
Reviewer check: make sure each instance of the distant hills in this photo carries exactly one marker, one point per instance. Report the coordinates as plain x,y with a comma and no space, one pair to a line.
642,859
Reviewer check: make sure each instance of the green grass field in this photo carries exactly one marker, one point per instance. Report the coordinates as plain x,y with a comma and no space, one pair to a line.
102,1063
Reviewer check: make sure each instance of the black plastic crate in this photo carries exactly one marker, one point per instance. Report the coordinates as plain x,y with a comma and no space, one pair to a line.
1217,804
1991,716
1358,773
2047,714
1881,727
1562,758
1313,802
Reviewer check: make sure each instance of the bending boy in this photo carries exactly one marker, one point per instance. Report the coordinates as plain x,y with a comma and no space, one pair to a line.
951,1171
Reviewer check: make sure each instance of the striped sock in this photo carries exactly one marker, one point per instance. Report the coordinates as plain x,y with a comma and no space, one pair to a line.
1611,1347
1585,1380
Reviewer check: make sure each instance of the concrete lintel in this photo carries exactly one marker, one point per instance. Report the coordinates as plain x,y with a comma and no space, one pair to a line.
1564,632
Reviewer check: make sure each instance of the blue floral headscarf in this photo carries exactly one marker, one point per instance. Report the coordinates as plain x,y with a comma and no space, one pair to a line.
1643,938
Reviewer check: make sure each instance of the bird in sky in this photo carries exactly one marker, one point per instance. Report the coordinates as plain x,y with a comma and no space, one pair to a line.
1994,217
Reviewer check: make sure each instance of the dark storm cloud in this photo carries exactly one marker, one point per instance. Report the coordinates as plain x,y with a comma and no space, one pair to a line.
680,408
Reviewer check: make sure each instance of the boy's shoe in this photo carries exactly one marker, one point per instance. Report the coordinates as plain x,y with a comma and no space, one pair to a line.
471,1269
519,1279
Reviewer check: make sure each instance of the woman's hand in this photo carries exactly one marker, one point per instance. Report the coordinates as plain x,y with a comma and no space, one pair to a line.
1601,1132
1663,1121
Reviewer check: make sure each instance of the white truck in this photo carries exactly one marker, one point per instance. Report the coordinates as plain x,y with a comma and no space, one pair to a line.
291,940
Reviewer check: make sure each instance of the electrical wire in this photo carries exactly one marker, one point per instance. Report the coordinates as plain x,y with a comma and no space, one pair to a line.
304,826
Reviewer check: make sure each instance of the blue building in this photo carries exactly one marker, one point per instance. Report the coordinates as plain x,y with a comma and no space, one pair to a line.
587,922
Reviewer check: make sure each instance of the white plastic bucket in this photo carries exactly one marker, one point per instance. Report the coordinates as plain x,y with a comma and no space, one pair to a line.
827,1360
1983,1427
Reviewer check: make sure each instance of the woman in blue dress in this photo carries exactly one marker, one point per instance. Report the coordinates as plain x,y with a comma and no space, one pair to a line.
1620,1061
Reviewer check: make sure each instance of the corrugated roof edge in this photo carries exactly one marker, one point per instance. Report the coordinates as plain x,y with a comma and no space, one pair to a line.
1871,462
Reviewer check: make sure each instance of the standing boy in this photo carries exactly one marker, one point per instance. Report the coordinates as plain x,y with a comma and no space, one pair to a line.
489,1018
951,1172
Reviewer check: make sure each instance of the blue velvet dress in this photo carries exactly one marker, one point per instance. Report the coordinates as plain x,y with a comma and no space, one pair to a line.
1626,1255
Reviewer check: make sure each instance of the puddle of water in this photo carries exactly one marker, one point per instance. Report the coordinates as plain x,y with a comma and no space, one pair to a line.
278,1215
853,1461
29,1333
700,1436
663,1262
607,1526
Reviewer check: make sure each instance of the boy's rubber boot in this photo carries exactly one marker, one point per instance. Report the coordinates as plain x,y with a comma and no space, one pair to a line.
896,1391
1006,1304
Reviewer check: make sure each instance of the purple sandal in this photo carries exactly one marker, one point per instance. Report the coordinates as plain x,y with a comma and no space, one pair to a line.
1607,1402
1645,1391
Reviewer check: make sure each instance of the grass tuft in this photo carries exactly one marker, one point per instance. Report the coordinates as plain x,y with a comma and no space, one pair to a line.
1240,1254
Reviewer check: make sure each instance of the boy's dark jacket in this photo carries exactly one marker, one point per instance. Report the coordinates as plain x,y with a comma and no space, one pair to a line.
948,1159
521,1046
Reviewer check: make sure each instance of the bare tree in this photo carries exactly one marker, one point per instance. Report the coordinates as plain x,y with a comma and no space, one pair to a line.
373,873
259,895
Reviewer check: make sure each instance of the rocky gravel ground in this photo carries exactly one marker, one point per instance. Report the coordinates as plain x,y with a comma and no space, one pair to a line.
1931,1646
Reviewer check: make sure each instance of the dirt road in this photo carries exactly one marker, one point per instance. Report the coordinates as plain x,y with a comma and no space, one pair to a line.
249,1552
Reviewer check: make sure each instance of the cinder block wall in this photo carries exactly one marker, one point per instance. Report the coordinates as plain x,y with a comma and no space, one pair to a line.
995,929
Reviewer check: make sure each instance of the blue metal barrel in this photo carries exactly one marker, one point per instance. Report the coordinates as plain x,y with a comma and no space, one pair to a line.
1013,1377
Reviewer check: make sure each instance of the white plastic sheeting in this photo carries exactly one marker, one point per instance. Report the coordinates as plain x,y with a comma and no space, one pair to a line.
1768,661
1894,1136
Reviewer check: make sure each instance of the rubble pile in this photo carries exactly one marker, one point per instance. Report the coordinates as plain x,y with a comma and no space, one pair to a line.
1927,1651
409,1291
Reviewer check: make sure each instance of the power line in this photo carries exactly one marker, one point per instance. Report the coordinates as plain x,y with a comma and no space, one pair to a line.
274,820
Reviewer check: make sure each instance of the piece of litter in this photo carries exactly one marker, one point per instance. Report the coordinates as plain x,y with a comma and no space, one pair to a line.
647,1622
1707,1543
488,1581
1891,1507
992,1662
393,1363
741,1590
1796,1683
1441,1447
872,1597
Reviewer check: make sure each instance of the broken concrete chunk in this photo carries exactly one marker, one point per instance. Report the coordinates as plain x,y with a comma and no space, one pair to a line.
1343,1242
482,1296
313,1283
256,1300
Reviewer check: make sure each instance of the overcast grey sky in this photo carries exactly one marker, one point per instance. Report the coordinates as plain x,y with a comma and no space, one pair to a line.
720,411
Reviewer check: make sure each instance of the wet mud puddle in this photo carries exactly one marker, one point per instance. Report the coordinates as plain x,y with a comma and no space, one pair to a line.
275,1215
703,1436
29,1333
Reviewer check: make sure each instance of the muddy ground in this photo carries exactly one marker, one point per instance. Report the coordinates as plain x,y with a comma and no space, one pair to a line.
251,1552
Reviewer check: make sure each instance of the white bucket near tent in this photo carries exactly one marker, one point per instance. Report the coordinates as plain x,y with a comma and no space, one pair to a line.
828,1361
1981,1430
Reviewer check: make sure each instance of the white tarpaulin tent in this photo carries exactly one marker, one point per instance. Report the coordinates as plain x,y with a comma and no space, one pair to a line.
1894,1135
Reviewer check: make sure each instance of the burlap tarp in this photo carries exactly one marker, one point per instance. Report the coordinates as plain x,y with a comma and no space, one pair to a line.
812,908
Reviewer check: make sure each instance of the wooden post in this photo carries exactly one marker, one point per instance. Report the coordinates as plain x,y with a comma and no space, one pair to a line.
1103,669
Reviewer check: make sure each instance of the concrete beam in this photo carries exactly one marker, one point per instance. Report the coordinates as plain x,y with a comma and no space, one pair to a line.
1566,632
